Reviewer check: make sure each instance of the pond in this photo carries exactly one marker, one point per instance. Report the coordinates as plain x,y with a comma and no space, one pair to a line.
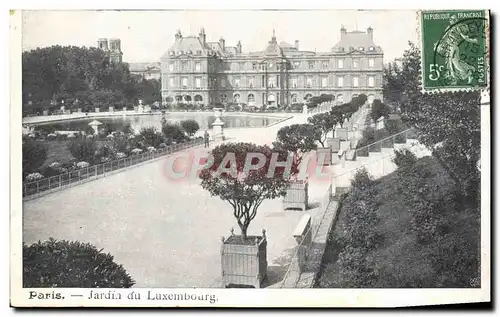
137,122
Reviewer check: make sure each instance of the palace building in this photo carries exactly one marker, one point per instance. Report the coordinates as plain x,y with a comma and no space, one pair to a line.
195,70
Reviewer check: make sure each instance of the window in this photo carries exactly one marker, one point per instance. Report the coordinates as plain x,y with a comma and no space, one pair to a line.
341,49
340,63
237,82
184,82
262,66
340,81
296,64
371,62
355,81
183,66
171,67
241,66
236,98
197,66
223,98
198,82
251,82
324,64
361,48
371,81
324,81
351,48
223,82
355,63
311,64
294,82
171,53
271,82
371,48
251,98
309,81
171,82
294,98
198,52
254,66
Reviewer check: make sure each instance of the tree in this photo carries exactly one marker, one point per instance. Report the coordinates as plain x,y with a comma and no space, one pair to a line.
78,76
83,149
244,190
448,124
379,110
64,263
34,155
190,126
127,129
151,136
324,122
298,139
392,83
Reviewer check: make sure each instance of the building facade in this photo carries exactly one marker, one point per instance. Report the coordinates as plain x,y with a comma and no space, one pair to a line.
194,70
112,47
146,70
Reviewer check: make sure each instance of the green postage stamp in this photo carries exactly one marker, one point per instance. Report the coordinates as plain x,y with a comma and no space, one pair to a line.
455,50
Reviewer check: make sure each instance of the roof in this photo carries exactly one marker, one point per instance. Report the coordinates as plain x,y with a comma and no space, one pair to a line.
286,45
187,44
356,39
143,67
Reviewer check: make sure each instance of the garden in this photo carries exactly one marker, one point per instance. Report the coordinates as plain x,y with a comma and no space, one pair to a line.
51,160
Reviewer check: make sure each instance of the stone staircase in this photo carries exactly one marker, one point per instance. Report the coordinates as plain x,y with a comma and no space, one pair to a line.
376,158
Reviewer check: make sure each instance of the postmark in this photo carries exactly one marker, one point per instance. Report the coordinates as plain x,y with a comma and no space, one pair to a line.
455,52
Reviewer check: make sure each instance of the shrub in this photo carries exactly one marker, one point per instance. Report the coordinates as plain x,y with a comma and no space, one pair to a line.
190,126
83,149
362,179
120,155
64,263
151,136
173,132
82,164
404,159
136,151
105,152
33,177
151,149
34,155
162,145
127,129
121,144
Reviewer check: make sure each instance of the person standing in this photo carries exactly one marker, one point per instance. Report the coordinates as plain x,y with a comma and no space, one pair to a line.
207,139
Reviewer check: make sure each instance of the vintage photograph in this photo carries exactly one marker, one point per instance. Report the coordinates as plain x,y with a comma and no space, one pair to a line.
313,149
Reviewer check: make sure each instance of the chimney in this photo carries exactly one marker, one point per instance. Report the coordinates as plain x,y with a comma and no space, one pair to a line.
370,32
239,47
222,44
203,36
343,32
178,35
297,45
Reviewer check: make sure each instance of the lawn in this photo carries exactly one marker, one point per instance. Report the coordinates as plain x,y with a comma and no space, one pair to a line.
450,259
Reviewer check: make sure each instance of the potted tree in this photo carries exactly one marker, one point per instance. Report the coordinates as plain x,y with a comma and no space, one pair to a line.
325,123
238,176
298,140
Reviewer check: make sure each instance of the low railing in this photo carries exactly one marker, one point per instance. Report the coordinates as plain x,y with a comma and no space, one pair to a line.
301,259
59,182
399,137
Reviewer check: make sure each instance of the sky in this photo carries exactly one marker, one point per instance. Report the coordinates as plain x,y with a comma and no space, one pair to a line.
146,35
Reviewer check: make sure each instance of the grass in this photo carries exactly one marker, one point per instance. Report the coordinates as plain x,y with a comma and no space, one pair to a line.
450,260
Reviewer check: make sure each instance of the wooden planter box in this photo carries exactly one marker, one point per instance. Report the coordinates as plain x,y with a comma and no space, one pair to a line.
296,196
244,263
327,152
334,144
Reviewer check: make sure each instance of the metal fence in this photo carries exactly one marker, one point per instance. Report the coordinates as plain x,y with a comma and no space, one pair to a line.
36,188
302,260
